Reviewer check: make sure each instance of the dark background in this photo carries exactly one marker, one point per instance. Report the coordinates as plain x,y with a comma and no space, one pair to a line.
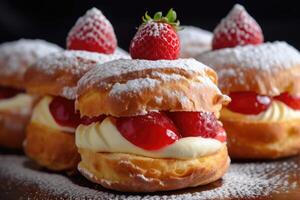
52,19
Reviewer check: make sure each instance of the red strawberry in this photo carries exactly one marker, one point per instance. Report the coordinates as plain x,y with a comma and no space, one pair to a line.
194,124
156,38
92,32
151,132
237,28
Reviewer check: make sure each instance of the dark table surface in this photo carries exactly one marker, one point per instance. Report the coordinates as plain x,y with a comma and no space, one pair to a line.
20,178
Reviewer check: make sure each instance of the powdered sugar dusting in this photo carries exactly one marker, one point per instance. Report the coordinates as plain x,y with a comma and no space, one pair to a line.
268,57
167,77
69,92
237,23
133,86
193,41
152,29
245,180
125,66
16,56
93,26
121,52
150,81
74,62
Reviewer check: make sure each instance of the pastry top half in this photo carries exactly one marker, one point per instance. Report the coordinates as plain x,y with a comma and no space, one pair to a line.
57,74
17,56
134,87
267,69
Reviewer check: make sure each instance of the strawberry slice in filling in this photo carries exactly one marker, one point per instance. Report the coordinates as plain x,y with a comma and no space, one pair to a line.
156,130
249,103
63,112
290,100
151,132
7,92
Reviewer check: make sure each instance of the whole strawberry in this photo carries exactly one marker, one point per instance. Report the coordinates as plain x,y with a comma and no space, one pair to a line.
156,38
92,32
238,28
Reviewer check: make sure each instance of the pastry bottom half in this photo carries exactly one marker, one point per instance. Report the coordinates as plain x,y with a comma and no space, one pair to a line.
133,173
51,148
12,130
262,140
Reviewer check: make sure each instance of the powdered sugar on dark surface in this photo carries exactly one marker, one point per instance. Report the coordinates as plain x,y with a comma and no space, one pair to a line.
21,178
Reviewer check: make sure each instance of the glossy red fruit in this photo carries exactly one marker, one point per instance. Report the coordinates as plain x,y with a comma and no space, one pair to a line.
151,132
238,28
157,38
290,100
221,135
249,103
88,120
195,124
63,112
92,32
6,92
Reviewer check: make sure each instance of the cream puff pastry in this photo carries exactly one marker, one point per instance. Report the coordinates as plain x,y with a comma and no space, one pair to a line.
263,119
50,137
15,104
194,41
151,125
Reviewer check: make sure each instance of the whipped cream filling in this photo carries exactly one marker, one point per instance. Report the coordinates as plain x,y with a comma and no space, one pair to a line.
105,137
277,112
42,115
21,103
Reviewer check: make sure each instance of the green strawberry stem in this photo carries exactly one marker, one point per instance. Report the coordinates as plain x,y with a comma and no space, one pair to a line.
170,18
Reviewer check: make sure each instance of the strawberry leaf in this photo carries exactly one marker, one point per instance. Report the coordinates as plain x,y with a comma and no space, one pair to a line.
157,16
170,18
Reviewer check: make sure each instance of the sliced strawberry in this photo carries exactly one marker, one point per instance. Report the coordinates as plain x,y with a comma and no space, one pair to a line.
238,28
63,112
92,32
156,38
7,92
249,103
195,124
290,100
151,132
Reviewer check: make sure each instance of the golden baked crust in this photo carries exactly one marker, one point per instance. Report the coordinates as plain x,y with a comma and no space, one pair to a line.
134,87
50,148
268,69
12,129
132,173
262,82
17,56
262,140
57,74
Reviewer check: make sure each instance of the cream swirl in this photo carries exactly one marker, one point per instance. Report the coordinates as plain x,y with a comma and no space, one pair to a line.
41,115
105,137
21,104
277,112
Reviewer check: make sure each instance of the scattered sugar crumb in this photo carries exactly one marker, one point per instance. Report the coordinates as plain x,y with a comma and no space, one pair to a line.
244,180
